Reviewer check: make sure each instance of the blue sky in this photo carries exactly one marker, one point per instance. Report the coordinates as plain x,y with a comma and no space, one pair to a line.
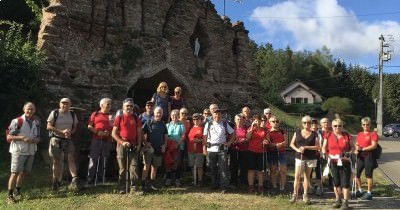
350,28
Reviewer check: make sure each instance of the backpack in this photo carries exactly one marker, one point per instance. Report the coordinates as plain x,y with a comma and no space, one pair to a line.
377,152
56,112
19,125
119,114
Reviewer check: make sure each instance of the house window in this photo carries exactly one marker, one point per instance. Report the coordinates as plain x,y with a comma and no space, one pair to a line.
292,100
299,100
305,100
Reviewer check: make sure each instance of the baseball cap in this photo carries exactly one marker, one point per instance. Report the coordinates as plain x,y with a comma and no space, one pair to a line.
65,100
128,100
196,116
150,103
267,111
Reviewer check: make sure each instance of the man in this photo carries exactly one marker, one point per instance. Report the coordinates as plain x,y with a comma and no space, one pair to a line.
155,141
267,114
215,147
100,125
61,124
127,132
247,117
148,114
23,136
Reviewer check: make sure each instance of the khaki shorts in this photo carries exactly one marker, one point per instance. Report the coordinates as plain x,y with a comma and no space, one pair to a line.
152,159
57,146
198,157
307,163
21,163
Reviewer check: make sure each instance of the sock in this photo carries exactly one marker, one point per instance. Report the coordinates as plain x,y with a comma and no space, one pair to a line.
359,189
10,193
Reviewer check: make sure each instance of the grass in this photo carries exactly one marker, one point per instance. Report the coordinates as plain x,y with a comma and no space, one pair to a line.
290,120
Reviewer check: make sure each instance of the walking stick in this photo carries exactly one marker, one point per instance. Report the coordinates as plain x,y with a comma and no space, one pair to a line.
299,175
97,170
104,169
127,171
264,166
321,165
195,171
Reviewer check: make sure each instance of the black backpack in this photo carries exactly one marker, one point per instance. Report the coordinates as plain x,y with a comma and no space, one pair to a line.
377,152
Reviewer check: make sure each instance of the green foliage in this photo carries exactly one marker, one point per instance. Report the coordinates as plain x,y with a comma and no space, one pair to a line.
20,72
338,105
391,97
305,109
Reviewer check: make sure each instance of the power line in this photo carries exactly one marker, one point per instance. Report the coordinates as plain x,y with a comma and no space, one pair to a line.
326,17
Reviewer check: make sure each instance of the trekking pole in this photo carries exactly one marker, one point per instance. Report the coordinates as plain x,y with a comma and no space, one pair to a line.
321,165
127,171
104,170
195,171
97,170
264,166
299,175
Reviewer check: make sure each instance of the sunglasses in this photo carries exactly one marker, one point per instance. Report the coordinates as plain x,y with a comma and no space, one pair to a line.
129,106
196,119
337,126
183,112
274,121
177,91
365,124
306,122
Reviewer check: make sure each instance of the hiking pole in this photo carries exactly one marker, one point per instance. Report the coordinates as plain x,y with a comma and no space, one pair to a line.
321,165
195,171
264,167
97,170
127,171
104,170
299,175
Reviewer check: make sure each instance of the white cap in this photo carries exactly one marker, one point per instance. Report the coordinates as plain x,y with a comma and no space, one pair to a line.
67,100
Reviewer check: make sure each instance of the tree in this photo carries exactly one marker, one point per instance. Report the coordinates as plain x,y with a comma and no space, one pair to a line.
338,105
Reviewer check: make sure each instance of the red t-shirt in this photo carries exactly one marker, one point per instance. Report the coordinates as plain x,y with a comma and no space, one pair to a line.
277,137
101,122
257,137
365,139
240,144
267,125
195,133
336,147
127,126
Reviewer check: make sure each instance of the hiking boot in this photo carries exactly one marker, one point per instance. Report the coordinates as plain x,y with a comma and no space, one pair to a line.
177,183
251,189
306,199
293,198
359,193
260,190
121,191
17,195
318,192
367,196
74,184
55,186
10,200
153,186
345,205
168,182
337,204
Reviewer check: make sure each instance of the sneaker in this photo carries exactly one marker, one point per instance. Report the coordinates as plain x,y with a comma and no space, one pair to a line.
260,190
345,205
153,186
224,190
306,199
367,196
337,204
168,182
121,191
293,198
359,193
251,189
11,200
74,184
177,183
318,192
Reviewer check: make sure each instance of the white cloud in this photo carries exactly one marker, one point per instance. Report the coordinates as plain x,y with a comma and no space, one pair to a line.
347,37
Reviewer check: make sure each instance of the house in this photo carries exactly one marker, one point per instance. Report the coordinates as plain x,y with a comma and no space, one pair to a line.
299,93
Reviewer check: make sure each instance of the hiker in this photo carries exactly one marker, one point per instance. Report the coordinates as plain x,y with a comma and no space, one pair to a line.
323,132
127,132
100,125
148,113
212,109
183,118
61,124
195,149
177,101
257,137
305,143
176,138
206,115
215,147
276,154
337,147
155,141
247,117
23,136
316,183
161,98
267,113
238,153
366,142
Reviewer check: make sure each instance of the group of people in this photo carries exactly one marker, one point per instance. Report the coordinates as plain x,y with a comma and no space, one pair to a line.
236,153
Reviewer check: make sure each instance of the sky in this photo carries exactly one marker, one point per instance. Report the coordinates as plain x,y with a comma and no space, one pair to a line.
349,28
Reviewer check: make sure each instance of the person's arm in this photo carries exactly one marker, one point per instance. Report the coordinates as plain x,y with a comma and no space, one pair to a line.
293,144
324,147
117,138
60,132
315,146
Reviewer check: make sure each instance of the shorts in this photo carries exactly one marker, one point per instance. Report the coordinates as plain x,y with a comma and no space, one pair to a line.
307,163
198,157
152,159
273,158
256,161
59,145
341,174
21,163
368,163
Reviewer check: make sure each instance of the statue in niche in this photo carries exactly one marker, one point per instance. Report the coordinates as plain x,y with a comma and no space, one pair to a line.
196,47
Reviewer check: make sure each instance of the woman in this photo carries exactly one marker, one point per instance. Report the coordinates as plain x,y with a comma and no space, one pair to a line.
338,147
276,154
238,153
305,143
177,100
176,137
366,142
162,99
195,149
316,184
257,140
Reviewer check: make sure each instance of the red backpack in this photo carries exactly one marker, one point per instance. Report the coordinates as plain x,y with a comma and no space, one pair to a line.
20,121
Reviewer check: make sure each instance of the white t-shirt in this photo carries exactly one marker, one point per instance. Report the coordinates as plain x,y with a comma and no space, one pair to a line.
216,134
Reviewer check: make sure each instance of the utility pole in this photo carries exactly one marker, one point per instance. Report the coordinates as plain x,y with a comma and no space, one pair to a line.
380,94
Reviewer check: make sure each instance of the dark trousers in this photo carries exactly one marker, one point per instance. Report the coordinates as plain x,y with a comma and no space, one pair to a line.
238,167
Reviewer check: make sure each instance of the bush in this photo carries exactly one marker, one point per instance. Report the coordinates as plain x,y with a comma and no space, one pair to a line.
308,109
338,105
